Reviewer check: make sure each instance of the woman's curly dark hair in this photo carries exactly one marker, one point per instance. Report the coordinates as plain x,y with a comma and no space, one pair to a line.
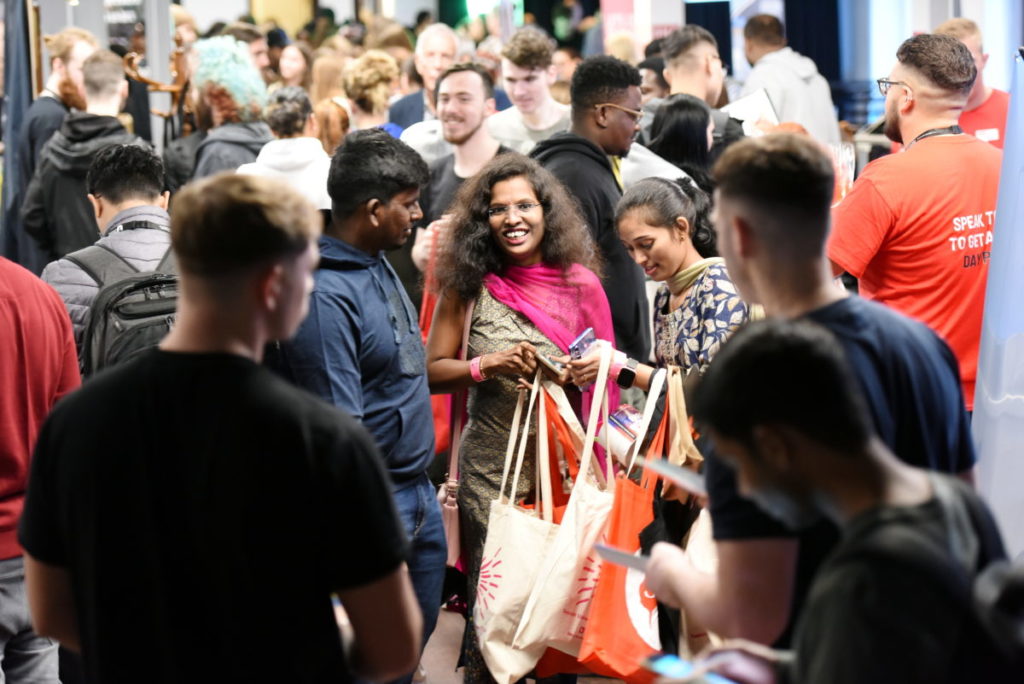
468,250
664,201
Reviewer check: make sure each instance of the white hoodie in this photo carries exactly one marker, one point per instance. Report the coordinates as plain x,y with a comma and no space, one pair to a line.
797,91
300,161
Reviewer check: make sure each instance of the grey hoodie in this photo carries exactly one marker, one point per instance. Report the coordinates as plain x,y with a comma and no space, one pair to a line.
229,146
797,91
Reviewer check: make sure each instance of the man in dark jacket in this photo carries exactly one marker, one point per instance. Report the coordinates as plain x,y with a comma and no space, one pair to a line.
605,95
56,211
125,184
360,347
68,51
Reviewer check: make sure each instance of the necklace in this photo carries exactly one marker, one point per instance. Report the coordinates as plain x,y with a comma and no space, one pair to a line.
931,132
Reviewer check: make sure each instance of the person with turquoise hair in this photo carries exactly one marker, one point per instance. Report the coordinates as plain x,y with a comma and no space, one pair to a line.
233,91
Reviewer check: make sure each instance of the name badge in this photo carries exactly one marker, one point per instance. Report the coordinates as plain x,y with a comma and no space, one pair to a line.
987,134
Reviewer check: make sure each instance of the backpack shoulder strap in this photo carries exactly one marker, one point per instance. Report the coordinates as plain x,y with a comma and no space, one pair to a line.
103,264
168,265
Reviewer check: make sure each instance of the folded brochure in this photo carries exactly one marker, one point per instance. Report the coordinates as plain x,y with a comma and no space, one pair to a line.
689,480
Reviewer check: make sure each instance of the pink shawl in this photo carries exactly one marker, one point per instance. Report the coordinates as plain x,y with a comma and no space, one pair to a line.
561,305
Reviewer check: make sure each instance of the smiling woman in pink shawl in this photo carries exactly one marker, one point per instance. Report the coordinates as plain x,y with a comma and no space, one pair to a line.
518,250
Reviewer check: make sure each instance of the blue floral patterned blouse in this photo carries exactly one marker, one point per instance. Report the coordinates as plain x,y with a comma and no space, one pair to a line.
690,336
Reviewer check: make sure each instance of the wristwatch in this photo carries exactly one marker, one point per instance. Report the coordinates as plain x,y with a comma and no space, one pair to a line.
627,376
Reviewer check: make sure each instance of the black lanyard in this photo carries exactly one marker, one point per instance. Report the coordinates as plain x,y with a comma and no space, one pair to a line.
948,130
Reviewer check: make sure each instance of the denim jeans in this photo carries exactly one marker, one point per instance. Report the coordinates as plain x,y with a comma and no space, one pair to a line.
420,513
25,657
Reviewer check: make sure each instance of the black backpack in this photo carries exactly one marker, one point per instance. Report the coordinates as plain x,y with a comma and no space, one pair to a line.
132,311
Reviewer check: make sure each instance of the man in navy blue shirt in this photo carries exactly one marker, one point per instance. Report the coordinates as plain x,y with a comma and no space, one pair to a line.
360,347
772,218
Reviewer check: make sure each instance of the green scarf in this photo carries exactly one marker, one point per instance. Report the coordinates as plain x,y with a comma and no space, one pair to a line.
682,281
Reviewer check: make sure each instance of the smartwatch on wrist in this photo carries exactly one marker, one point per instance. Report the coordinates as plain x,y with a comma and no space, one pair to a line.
627,375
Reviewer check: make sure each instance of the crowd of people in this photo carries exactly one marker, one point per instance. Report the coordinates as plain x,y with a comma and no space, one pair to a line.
359,220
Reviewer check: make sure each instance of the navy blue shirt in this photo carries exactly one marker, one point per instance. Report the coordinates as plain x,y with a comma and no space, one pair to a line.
360,349
911,383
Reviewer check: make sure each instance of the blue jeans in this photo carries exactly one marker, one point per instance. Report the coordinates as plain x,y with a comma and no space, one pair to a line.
25,657
420,513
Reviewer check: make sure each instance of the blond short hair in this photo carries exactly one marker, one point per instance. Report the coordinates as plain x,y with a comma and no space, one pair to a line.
60,44
959,28
102,74
229,223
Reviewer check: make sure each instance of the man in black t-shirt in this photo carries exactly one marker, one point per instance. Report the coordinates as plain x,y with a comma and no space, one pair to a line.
465,99
772,218
189,514
893,602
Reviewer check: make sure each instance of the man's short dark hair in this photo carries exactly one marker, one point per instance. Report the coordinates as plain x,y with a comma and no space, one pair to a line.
479,70
654,48
371,164
941,59
127,171
678,43
600,79
787,183
790,373
657,65
242,32
765,29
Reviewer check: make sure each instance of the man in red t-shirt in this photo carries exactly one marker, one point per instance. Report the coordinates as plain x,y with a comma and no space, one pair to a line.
916,229
984,115
38,365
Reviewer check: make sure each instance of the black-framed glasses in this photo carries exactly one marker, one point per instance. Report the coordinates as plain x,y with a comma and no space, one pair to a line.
503,209
635,114
884,84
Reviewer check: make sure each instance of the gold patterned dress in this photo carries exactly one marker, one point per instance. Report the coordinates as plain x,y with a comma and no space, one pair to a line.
494,328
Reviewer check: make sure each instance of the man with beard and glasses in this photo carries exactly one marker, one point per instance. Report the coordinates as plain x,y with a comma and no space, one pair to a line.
916,229
64,91
893,602
465,101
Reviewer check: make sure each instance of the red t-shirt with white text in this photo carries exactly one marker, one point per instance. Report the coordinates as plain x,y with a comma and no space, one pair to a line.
916,230
988,122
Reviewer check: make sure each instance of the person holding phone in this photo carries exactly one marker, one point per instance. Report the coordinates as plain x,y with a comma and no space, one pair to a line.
666,228
518,256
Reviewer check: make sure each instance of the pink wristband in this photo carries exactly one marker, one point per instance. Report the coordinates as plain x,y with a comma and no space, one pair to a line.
474,370
619,361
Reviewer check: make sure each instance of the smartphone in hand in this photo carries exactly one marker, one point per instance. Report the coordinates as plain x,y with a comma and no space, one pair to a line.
555,367
581,345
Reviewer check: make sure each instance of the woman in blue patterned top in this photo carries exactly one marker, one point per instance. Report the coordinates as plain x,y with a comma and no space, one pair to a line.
666,227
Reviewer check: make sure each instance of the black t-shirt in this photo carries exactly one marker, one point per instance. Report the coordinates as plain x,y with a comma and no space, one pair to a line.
893,603
911,382
205,510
